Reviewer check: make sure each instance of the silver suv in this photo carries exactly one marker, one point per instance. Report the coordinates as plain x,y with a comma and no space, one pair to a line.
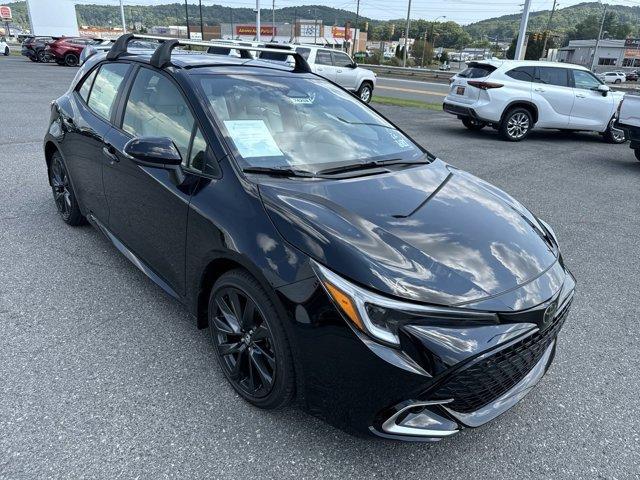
333,65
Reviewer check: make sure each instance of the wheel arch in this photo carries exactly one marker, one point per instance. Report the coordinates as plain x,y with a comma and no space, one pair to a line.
218,265
49,149
523,104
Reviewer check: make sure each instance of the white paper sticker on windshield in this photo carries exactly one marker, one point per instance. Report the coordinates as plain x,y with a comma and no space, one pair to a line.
252,138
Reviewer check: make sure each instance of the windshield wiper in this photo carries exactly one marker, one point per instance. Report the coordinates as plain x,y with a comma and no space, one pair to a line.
368,165
279,172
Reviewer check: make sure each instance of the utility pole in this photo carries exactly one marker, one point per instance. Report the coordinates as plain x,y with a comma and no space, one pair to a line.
522,35
595,52
186,14
201,23
406,35
233,34
273,20
124,24
315,26
353,47
258,20
424,48
548,31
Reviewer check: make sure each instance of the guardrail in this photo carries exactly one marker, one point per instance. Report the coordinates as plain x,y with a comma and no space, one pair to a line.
421,73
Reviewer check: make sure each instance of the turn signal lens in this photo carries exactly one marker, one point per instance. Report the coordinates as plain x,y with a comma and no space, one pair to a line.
345,303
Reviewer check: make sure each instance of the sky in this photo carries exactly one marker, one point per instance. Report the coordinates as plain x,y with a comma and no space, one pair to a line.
461,11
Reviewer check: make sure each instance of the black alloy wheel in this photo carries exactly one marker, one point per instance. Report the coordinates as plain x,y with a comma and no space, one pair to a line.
42,57
252,347
63,192
71,60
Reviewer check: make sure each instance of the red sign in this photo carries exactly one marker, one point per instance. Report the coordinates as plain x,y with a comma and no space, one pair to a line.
341,32
251,30
5,13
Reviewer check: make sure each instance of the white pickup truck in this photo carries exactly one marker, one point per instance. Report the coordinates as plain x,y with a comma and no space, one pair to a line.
629,120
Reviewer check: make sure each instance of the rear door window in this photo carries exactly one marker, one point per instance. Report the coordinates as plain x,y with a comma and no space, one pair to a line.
553,76
323,57
524,74
105,88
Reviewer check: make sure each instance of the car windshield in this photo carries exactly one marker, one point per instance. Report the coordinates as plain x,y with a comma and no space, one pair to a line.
299,123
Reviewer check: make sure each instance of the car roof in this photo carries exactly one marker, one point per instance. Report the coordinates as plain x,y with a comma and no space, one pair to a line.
201,62
506,64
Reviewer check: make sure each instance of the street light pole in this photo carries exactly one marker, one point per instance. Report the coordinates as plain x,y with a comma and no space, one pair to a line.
124,24
201,22
186,14
273,20
258,20
524,21
546,34
406,35
353,47
595,52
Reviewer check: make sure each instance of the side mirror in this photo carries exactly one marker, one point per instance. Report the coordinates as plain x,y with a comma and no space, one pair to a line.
354,65
604,90
154,151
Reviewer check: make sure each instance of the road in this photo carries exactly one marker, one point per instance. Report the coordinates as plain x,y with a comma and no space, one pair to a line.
104,376
429,92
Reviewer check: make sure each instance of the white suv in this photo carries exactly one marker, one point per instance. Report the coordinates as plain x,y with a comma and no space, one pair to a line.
513,96
334,65
613,77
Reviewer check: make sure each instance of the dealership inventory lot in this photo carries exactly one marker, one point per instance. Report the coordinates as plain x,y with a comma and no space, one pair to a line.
103,375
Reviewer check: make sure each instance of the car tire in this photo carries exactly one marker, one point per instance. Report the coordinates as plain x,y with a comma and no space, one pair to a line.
516,124
41,56
63,193
365,92
618,81
614,135
473,125
637,152
33,59
71,60
6,51
253,350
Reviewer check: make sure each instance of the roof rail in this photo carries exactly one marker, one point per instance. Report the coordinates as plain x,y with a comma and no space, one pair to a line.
161,57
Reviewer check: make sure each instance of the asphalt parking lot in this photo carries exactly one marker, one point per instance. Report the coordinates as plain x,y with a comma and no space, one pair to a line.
104,376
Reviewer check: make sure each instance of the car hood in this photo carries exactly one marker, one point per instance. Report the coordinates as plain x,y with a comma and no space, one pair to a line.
432,233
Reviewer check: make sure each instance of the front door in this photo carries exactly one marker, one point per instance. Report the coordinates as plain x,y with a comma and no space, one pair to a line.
148,206
346,75
591,109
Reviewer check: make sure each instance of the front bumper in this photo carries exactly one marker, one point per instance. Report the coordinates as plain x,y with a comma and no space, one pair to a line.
444,378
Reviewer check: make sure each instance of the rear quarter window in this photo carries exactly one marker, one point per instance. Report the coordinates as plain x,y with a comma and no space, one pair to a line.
524,74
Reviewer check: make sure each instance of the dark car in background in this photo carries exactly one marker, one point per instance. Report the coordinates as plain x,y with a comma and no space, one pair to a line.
335,262
34,48
67,50
632,76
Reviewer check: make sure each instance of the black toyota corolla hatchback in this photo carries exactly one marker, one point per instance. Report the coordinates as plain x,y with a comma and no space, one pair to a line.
334,261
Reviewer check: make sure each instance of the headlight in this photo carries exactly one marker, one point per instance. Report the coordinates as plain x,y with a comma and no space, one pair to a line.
381,317
548,228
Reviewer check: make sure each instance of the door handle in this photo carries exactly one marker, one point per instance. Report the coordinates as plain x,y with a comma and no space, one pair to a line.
580,95
340,71
110,153
539,90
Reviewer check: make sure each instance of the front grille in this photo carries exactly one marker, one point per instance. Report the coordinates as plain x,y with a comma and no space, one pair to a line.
485,381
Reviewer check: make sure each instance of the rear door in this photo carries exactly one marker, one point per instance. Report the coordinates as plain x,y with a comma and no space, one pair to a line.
553,95
460,91
323,64
591,109
346,74
95,101
148,206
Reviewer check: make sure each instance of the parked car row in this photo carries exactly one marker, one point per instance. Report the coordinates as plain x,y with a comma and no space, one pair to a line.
514,96
62,50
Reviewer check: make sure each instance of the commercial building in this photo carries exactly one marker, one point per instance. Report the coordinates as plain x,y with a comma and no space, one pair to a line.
621,54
